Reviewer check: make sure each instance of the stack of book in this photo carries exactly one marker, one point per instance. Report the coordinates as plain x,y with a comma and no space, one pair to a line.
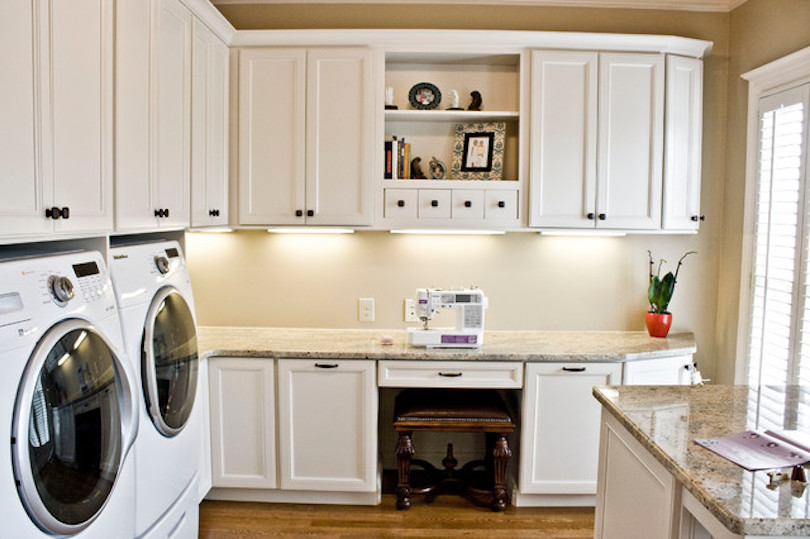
397,157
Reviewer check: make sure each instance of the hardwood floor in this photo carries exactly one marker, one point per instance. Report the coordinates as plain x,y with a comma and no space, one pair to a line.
446,516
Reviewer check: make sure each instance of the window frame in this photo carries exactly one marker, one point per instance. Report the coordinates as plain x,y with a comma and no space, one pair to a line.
783,74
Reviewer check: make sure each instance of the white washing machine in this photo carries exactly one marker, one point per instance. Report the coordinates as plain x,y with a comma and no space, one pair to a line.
68,399
172,454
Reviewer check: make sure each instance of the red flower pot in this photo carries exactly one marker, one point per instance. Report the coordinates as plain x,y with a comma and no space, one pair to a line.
658,324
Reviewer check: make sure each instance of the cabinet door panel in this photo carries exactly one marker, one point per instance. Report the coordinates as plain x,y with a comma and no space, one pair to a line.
271,135
209,96
81,86
171,108
134,207
563,138
631,100
25,195
327,425
339,136
242,404
560,439
682,160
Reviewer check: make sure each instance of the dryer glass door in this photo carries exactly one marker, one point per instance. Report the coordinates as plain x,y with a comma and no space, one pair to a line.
169,361
67,443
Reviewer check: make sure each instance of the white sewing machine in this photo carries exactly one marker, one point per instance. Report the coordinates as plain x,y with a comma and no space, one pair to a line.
470,304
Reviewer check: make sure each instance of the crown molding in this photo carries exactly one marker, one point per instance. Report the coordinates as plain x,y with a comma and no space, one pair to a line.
724,6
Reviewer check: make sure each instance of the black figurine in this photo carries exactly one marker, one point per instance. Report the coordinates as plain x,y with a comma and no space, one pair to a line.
416,169
476,101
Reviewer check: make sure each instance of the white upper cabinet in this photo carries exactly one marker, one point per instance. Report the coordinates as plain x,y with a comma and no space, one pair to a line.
209,128
563,135
305,125
682,157
153,110
597,140
272,110
631,141
56,112
340,123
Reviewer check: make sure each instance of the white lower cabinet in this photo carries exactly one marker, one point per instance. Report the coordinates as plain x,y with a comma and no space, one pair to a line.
327,423
673,371
243,422
637,497
560,426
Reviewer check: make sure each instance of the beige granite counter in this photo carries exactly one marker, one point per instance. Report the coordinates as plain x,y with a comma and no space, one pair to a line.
665,420
497,346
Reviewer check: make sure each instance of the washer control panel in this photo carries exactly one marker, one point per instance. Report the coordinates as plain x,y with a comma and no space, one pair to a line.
87,280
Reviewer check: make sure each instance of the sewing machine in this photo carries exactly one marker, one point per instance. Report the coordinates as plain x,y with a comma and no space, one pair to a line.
470,304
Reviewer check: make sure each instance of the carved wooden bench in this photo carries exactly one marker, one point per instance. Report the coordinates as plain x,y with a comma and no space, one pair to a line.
453,410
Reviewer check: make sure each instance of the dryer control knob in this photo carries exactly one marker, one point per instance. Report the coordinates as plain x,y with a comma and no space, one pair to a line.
162,264
62,289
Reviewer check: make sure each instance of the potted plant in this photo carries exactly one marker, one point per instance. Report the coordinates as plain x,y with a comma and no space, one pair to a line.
659,294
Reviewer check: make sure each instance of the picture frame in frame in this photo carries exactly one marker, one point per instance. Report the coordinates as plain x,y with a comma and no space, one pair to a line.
478,151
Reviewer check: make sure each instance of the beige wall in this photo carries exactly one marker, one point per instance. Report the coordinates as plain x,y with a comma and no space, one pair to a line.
533,282
760,31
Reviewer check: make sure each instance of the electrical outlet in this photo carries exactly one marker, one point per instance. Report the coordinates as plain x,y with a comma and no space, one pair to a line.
410,310
365,309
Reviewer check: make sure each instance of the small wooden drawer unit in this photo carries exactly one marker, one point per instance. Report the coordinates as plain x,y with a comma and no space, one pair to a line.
470,374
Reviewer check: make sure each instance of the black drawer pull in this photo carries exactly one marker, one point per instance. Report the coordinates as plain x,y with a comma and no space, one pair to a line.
468,204
450,374
327,365
434,203
591,216
501,204
574,369
310,213
400,203
602,216
65,213
299,213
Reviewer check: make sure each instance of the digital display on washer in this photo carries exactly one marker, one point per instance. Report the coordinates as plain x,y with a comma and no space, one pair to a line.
83,270
172,253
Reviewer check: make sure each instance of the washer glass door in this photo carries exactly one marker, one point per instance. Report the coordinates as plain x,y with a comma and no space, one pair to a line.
68,432
169,361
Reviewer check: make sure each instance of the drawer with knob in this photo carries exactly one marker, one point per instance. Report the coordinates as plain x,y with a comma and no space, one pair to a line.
434,204
400,203
501,205
467,204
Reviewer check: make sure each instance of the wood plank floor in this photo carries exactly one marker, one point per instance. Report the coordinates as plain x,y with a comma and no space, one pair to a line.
446,516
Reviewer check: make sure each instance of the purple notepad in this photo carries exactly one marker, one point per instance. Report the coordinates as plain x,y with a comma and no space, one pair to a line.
755,450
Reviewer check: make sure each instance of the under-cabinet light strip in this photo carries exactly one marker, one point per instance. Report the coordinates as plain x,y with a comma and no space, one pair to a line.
450,232
310,230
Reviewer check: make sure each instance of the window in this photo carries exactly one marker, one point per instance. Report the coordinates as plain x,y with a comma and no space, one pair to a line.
779,332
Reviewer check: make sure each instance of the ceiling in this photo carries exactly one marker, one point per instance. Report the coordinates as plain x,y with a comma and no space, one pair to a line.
682,5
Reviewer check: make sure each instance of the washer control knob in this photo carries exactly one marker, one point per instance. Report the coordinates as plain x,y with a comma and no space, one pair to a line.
62,289
162,264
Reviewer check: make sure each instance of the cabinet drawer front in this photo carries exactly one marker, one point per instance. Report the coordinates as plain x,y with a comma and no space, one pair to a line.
472,374
400,203
501,205
434,203
467,204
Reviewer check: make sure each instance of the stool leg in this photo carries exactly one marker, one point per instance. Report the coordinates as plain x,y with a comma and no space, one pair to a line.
500,454
405,452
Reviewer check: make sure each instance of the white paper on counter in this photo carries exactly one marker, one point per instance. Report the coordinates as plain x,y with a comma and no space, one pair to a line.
754,450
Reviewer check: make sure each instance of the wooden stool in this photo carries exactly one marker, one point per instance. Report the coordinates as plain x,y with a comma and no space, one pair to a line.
452,410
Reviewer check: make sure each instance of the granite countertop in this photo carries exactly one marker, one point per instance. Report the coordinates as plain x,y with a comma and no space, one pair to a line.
603,346
665,420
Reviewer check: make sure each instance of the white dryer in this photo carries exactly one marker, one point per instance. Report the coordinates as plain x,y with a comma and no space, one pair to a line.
67,401
172,459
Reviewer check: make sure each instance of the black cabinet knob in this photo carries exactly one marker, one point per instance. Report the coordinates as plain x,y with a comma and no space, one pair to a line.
434,203
158,213
310,213
299,213
166,212
213,213
602,216
65,213
702,217
400,203
501,204
468,204
53,213
591,216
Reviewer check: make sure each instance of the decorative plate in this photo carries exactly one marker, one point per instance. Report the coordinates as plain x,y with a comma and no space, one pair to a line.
424,96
